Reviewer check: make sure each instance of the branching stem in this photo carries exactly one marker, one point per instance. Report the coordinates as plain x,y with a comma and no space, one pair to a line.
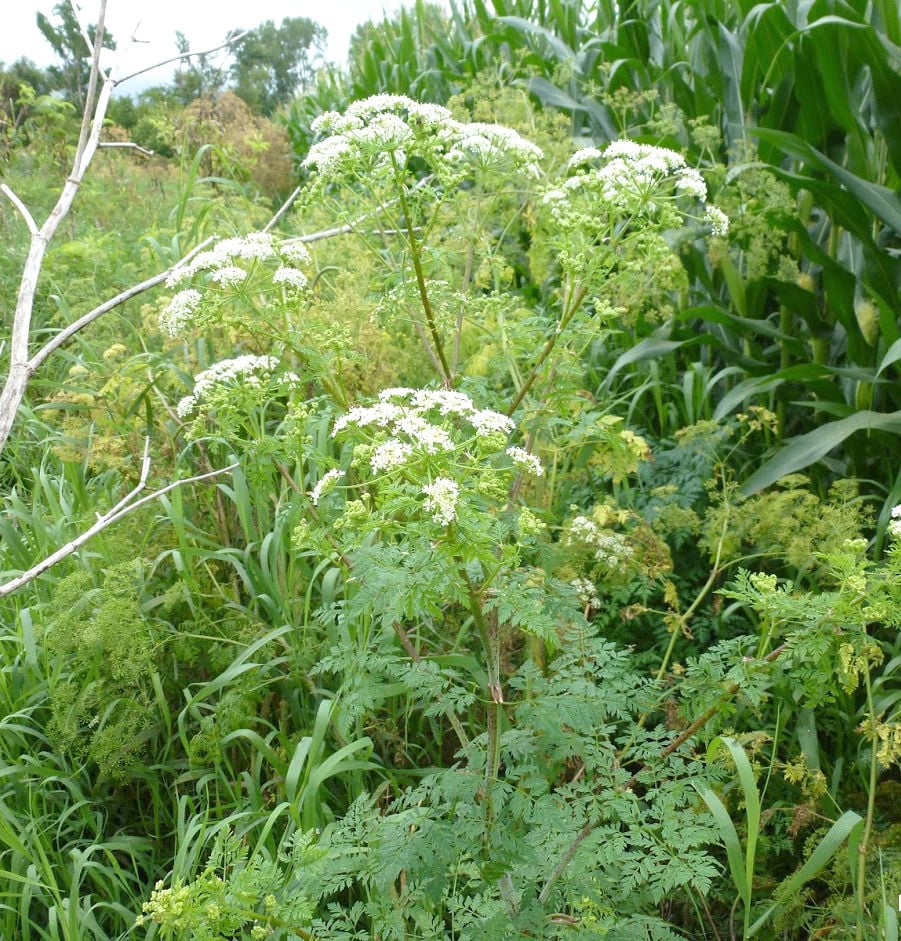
420,282
575,303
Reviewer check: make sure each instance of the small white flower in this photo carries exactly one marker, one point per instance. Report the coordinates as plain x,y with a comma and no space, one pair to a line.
294,251
390,454
326,482
399,392
585,155
719,221
448,402
381,414
487,422
525,461
228,276
185,406
612,548
424,434
328,154
584,529
290,276
259,245
441,500
691,181
587,592
179,310
894,526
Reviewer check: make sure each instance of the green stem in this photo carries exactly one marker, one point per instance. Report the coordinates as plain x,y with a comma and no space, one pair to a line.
495,695
871,805
420,281
568,315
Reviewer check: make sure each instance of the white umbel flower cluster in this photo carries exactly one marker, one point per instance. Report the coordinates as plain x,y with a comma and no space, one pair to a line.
626,174
718,220
177,313
229,276
610,548
395,124
254,245
411,417
587,592
220,264
525,461
441,501
249,370
290,277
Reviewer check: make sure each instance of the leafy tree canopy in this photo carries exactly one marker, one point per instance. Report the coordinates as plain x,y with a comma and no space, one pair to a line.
272,63
72,49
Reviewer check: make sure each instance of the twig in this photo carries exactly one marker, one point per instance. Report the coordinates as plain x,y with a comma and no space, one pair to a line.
285,206
115,143
185,55
95,48
125,506
65,335
23,209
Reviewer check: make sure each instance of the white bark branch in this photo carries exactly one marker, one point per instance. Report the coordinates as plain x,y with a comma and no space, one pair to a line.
126,505
23,209
185,55
133,146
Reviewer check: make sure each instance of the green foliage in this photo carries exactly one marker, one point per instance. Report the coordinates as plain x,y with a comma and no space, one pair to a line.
484,585
102,650
236,894
273,63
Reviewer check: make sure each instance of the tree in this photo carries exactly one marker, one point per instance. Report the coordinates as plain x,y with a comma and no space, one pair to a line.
70,45
273,62
198,76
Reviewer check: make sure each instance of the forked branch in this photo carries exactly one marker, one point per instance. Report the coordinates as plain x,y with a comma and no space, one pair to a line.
128,504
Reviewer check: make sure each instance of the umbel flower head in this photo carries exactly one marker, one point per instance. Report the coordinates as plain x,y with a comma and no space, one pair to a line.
626,177
376,130
254,372
409,422
431,443
228,265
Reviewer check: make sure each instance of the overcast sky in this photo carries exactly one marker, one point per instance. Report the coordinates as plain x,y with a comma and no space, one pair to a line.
204,22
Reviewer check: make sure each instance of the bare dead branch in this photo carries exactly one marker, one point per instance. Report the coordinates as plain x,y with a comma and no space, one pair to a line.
96,47
285,206
126,505
185,55
137,147
23,209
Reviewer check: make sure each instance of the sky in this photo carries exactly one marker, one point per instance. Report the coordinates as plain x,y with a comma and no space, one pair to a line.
204,22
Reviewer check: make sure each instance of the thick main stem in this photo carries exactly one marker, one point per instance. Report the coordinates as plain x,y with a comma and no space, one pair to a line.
420,282
495,694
